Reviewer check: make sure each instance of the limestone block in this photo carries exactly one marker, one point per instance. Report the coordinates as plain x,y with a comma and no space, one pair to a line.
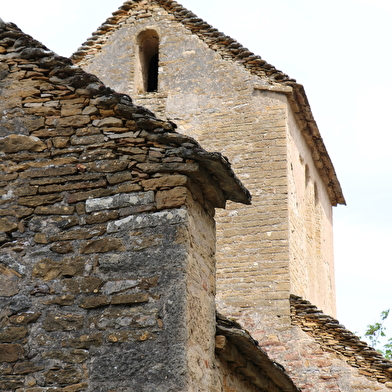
48,269
172,198
11,352
148,220
103,245
120,201
63,322
83,285
16,143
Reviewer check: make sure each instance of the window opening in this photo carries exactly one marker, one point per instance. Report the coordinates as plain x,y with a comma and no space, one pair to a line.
148,43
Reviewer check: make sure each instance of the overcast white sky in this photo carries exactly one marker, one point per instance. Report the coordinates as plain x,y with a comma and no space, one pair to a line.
340,50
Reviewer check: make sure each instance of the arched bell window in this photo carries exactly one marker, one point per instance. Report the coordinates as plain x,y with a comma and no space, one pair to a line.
148,54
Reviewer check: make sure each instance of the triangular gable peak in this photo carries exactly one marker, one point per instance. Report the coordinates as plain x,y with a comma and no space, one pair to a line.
230,50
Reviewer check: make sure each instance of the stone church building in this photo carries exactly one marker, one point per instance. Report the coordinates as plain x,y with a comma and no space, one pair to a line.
109,278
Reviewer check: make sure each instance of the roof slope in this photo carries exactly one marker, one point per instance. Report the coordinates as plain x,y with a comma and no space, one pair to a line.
334,337
237,346
26,65
230,49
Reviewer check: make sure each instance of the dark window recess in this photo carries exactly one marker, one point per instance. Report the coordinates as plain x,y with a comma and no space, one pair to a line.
152,83
147,76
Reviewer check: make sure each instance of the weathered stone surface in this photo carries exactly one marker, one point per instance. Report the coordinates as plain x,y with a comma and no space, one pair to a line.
48,172
76,387
26,367
90,110
74,121
101,217
52,224
106,244
48,269
165,181
8,226
63,376
129,299
74,186
74,356
57,132
54,210
63,300
40,238
83,285
78,234
94,302
84,341
26,191
71,110
11,383
12,334
117,178
15,143
172,198
119,285
9,281
33,201
8,177
60,142
11,352
120,201
109,122
63,247
140,240
147,220
63,322
128,188
25,318
87,140
81,196
136,210
107,166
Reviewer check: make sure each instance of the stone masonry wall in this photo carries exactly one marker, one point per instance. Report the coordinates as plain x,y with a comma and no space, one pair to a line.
225,107
106,235
312,274
252,242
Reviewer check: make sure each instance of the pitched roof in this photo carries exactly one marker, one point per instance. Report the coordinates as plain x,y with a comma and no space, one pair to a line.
26,64
235,345
334,337
230,49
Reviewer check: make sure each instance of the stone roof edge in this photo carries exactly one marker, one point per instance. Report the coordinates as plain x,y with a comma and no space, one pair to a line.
75,78
250,360
334,337
230,48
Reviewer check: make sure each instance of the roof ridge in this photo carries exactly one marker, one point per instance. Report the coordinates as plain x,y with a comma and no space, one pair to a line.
20,48
232,50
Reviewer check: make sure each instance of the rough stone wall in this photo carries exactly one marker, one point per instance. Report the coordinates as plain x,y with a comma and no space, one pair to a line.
252,242
107,251
228,379
333,337
312,367
312,274
225,107
320,354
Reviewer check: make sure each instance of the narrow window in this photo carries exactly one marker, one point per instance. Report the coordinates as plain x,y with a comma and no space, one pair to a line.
148,51
307,175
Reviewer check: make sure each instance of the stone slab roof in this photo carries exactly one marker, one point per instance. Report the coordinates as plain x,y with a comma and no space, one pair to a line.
44,113
236,346
334,337
231,50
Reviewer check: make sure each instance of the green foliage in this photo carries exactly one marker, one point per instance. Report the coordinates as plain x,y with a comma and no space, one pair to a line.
374,333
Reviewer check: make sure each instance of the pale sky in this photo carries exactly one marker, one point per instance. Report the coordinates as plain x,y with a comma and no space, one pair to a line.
340,50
